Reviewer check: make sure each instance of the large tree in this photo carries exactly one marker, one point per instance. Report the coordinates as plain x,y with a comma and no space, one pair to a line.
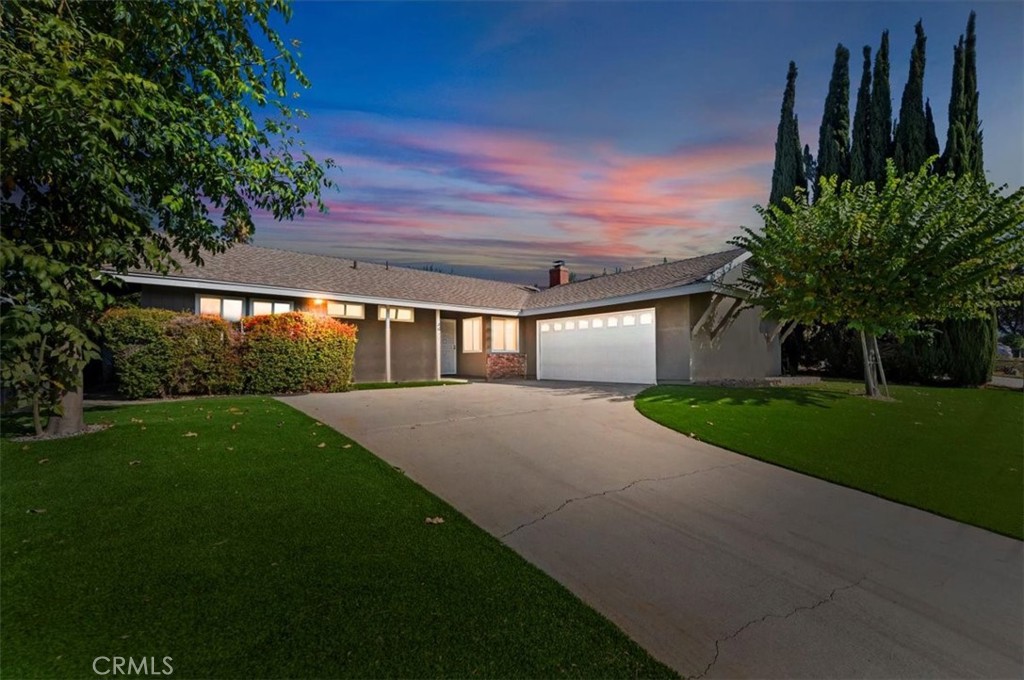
133,133
860,147
834,133
963,153
924,246
931,140
909,139
788,173
880,120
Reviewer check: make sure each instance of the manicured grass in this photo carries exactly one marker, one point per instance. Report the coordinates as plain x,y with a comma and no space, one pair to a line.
243,539
414,383
955,452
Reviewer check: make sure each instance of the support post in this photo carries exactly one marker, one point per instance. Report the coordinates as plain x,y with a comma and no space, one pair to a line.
387,344
437,344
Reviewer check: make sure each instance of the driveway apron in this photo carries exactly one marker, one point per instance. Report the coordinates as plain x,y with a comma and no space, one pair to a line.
718,564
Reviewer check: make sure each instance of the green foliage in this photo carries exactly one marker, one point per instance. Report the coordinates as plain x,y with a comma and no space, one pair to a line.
143,358
910,138
131,132
931,141
880,120
834,133
204,356
788,174
860,148
923,247
297,352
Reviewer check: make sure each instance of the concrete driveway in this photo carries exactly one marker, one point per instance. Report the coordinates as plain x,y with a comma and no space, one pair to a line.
718,564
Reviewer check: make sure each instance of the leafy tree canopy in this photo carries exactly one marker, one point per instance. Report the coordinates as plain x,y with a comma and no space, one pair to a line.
880,260
132,131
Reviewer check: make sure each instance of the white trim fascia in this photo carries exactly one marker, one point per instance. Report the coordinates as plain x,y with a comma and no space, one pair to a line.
251,289
689,289
729,266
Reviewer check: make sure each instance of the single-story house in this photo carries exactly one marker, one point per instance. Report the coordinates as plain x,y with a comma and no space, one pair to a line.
669,323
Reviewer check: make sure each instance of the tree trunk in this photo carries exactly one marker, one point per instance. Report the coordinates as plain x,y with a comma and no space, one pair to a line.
870,386
878,363
71,419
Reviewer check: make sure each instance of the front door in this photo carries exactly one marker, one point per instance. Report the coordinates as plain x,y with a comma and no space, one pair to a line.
448,350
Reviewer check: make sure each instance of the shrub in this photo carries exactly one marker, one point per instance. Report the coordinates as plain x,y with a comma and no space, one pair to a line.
296,352
204,356
141,350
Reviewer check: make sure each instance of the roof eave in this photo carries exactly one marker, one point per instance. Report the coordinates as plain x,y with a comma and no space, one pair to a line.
251,288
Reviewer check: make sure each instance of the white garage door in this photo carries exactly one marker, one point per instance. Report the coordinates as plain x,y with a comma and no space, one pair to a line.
615,347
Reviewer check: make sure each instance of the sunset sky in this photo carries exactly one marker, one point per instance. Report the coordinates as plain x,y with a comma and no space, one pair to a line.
491,138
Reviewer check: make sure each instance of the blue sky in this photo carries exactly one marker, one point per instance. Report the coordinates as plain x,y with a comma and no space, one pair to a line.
490,138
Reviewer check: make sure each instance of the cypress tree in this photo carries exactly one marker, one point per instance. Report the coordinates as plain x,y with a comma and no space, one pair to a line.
931,141
834,133
860,149
880,120
788,173
975,161
909,138
956,144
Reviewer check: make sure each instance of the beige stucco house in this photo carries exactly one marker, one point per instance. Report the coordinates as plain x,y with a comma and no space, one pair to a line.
671,323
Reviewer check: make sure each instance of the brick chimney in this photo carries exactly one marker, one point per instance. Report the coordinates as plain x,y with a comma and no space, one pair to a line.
558,275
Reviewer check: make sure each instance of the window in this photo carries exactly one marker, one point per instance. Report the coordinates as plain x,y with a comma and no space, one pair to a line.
558,326
629,320
612,322
584,324
346,310
598,323
472,334
646,319
570,325
504,335
229,309
544,327
396,313
262,307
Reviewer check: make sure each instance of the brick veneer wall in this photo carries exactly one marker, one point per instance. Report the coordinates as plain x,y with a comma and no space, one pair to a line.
505,365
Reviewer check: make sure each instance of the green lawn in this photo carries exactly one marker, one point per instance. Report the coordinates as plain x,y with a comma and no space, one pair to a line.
955,452
243,539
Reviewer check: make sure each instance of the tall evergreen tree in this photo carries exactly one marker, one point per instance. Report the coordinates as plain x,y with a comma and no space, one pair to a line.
860,149
931,141
834,133
909,139
956,142
788,173
880,120
810,166
975,162
963,152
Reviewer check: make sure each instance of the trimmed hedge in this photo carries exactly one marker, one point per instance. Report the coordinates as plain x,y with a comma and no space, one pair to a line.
297,352
141,350
158,353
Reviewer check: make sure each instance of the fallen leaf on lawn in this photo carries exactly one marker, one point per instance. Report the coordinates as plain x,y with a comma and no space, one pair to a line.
36,511
135,462
694,405
231,448
25,447
143,427
137,420
321,445
280,423
44,461
234,426
190,434
319,424
434,520
125,637
347,446
208,416
709,422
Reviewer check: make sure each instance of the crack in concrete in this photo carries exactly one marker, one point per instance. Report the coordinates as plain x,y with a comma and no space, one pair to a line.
804,607
611,491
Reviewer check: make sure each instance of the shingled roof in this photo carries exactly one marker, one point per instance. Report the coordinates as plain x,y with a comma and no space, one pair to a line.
270,267
644,280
